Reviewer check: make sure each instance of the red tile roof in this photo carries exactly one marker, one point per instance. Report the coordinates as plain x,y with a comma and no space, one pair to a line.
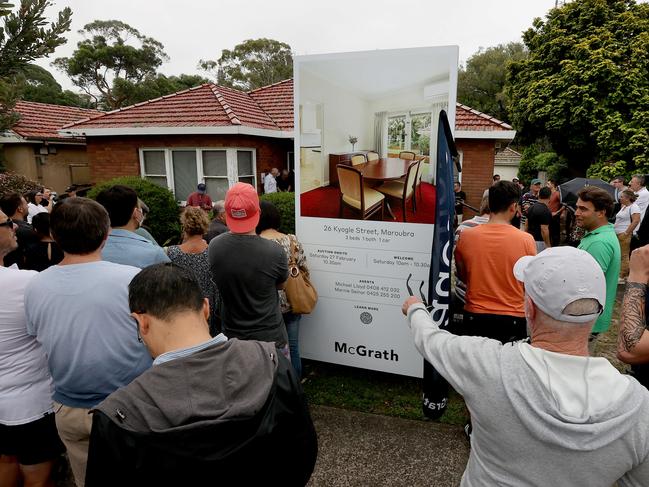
466,118
42,121
277,101
209,105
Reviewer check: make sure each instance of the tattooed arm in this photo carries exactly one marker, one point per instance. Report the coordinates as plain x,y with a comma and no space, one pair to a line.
633,338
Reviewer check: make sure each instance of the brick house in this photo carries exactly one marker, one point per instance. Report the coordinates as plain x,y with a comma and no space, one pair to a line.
478,138
208,133
34,147
221,135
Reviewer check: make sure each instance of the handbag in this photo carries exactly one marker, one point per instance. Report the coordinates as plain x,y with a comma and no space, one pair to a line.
299,290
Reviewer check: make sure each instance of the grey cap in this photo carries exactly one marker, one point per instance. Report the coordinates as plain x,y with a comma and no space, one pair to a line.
559,276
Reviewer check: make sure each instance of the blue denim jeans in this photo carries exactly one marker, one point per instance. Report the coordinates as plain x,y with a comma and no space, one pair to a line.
292,322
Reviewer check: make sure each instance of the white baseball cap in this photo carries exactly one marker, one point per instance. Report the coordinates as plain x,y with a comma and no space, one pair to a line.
559,276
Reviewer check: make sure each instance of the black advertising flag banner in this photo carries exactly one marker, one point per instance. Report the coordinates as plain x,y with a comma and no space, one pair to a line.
435,387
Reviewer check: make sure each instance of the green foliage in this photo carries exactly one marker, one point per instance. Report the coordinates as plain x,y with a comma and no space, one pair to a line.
537,158
154,87
11,182
112,51
285,204
252,64
163,218
39,85
585,83
481,83
609,170
24,37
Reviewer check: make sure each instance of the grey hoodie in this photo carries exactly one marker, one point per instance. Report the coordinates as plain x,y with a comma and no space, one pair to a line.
541,418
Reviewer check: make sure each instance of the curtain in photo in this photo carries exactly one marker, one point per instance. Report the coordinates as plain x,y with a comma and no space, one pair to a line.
437,106
381,133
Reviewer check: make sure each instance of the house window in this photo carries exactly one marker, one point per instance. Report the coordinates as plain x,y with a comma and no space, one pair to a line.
181,169
154,167
409,131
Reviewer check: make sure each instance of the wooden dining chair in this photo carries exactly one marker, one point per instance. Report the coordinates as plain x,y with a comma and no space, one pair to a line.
420,172
358,159
372,156
407,155
402,190
355,195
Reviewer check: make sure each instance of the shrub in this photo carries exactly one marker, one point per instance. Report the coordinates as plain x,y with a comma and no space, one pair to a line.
163,218
10,182
285,204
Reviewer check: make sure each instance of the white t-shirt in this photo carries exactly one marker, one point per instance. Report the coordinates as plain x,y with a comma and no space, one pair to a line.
270,184
642,202
32,210
25,382
623,217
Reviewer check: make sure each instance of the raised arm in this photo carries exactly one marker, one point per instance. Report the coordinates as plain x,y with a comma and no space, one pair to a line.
633,338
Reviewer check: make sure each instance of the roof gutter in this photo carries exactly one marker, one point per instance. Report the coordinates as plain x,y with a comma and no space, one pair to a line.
175,130
486,134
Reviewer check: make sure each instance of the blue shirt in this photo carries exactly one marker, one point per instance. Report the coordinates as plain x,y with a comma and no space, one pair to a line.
184,352
129,248
79,314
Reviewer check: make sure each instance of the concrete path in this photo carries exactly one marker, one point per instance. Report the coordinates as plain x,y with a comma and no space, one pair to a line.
359,449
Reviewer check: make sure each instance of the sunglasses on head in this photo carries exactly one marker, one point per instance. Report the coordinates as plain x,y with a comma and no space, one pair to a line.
7,223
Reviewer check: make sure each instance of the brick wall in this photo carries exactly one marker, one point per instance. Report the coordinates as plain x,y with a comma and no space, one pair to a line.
477,168
111,157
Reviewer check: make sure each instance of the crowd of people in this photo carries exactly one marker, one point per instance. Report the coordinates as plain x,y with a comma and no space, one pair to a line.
148,364
167,365
535,394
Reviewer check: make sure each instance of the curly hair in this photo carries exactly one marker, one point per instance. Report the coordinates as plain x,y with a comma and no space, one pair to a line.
194,221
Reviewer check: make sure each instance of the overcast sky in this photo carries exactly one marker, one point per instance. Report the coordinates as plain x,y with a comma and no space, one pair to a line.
195,29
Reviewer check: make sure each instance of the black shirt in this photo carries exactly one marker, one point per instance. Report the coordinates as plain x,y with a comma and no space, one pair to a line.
537,215
460,195
247,269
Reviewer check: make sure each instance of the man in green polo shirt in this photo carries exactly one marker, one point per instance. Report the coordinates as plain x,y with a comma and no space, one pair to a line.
593,207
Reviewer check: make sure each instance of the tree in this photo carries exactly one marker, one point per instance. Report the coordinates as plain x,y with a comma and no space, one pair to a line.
39,85
114,52
25,37
154,87
252,64
585,84
481,83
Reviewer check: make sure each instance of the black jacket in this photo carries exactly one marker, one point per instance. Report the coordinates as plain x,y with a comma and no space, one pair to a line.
232,414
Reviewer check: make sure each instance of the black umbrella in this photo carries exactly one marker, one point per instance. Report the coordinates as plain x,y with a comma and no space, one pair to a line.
569,190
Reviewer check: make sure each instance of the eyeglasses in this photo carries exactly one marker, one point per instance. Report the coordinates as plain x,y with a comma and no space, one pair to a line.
9,223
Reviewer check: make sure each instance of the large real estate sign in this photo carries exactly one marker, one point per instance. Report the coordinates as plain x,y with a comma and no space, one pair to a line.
368,120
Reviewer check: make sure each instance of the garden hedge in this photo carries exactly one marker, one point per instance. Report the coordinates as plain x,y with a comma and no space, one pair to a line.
163,218
285,204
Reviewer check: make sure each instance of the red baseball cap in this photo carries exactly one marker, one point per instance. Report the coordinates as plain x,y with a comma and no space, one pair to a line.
242,208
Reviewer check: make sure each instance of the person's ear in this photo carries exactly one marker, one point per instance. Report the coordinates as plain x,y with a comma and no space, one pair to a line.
530,309
144,323
206,309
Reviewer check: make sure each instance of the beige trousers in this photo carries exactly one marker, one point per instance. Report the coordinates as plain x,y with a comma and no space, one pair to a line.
74,425
625,245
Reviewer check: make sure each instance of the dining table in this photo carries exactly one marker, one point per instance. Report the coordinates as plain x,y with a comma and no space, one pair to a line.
385,169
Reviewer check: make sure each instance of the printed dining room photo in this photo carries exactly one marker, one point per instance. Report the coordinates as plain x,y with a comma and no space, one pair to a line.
367,129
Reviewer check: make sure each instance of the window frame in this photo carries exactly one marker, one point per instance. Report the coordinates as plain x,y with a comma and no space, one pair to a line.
231,164
408,114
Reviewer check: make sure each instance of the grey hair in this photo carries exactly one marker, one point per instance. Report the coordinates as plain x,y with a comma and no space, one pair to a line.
219,207
640,178
580,307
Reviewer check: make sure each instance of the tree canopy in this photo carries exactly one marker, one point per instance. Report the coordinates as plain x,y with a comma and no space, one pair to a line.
481,83
39,85
154,87
585,85
111,60
26,35
252,64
